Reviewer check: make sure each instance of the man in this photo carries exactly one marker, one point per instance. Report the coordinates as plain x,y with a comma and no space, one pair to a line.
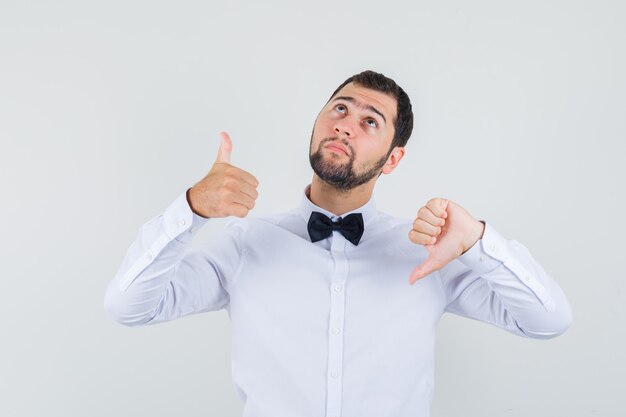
324,321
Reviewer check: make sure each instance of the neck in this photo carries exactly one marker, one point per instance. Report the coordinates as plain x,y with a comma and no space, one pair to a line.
337,201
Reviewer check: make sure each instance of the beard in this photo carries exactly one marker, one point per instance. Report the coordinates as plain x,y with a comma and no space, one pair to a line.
340,174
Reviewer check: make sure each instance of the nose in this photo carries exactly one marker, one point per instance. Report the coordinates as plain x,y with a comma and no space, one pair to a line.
344,128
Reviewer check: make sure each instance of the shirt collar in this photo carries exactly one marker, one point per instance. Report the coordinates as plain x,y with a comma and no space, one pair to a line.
368,210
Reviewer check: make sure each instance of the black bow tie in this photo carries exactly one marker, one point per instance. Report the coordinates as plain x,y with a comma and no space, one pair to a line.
321,226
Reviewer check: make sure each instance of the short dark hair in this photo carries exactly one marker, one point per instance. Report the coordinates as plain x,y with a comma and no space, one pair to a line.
376,81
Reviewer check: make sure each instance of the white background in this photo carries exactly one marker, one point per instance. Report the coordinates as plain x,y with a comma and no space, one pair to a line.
109,110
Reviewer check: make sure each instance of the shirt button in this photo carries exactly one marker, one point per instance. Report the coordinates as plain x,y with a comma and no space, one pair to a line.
482,258
338,288
181,222
335,331
334,374
149,255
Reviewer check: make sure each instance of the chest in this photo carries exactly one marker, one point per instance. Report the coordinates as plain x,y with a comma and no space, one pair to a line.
296,284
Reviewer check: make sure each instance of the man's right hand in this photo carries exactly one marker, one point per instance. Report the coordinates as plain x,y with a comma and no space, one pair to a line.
226,190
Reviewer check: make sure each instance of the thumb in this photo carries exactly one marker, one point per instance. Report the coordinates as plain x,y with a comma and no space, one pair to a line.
422,270
226,147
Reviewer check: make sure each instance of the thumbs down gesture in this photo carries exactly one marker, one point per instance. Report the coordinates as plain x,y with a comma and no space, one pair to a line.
446,230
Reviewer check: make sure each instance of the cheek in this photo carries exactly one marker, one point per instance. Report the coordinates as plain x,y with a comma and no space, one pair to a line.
322,126
370,152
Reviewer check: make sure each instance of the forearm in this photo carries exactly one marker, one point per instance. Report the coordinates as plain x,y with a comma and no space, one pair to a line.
143,280
510,289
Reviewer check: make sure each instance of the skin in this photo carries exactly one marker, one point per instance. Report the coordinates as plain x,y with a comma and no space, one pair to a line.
344,180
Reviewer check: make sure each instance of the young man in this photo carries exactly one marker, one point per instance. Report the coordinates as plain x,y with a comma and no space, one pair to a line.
324,321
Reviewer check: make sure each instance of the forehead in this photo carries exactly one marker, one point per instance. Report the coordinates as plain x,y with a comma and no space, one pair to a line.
383,102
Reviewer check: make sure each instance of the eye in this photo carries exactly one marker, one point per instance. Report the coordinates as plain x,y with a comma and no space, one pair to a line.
340,108
374,123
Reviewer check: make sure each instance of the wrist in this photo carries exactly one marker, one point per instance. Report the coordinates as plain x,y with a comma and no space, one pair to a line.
190,203
481,228
476,235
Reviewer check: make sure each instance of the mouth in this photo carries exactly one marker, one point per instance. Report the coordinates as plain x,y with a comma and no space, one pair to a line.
337,148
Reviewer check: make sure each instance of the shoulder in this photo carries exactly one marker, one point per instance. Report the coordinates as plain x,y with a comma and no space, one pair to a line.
273,219
394,232
391,224
251,227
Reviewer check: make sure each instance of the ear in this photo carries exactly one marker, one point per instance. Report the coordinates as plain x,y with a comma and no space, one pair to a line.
394,159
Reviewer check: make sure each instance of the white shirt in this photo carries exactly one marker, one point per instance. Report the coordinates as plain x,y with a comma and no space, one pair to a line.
329,329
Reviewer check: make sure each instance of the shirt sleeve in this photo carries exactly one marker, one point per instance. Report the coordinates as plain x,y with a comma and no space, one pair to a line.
497,281
160,279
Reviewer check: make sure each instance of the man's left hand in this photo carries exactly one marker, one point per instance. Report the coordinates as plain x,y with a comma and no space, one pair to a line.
446,230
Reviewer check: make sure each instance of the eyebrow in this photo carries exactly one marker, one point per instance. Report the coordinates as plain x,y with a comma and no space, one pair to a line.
361,105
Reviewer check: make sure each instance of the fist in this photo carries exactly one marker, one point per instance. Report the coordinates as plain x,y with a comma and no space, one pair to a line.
226,190
446,230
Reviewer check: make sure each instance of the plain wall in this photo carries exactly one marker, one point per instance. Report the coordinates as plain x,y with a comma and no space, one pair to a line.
109,110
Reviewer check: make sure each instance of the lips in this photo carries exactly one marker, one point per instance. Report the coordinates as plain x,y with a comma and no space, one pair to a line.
337,148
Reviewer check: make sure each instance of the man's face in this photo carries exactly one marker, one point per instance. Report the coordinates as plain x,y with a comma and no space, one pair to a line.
352,136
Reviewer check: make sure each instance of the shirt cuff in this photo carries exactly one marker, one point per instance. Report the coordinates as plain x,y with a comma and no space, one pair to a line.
494,250
181,223
488,252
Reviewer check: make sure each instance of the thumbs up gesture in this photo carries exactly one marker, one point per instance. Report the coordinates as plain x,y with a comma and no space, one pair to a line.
226,190
446,230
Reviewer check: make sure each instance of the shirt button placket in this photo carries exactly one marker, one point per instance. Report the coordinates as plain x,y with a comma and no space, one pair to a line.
335,325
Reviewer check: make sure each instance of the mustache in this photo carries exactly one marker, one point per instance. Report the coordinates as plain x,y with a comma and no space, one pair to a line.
344,142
